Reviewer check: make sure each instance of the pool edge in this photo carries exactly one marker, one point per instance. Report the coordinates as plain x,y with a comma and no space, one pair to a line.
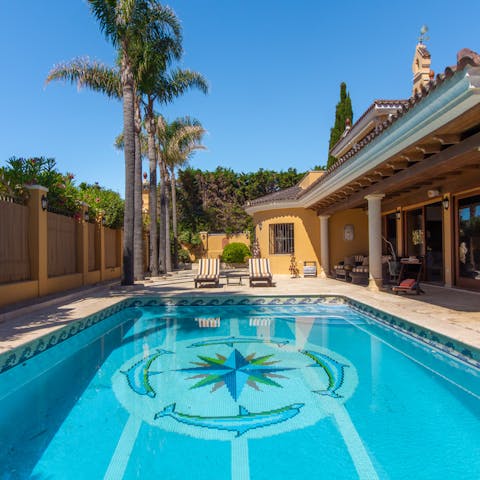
448,345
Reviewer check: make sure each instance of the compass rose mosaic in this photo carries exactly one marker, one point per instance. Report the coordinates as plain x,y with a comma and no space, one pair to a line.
236,371
222,388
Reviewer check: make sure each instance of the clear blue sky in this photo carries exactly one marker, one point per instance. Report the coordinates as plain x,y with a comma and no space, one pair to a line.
274,68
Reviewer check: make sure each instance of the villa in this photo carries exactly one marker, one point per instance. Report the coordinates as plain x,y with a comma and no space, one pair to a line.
292,379
407,171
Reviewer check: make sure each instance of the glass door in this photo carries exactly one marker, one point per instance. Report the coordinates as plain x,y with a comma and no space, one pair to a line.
468,242
434,242
424,239
414,238
390,234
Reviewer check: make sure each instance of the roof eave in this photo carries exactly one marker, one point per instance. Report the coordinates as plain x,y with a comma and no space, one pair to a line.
445,103
280,205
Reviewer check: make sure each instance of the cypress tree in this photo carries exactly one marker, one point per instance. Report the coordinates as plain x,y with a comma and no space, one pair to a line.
342,112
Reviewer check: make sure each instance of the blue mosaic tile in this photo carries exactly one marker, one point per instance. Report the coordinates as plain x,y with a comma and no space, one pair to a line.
445,344
438,341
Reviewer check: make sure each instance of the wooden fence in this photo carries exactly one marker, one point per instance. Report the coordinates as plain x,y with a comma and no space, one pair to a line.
92,247
44,252
110,248
14,243
62,244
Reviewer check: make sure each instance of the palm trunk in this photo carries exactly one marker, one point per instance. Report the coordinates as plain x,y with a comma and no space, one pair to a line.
129,151
174,219
168,251
162,244
138,220
152,196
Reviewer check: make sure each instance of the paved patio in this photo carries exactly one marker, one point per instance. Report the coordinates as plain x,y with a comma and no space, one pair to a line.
451,312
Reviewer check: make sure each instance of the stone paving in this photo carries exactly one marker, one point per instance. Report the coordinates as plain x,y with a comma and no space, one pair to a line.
451,312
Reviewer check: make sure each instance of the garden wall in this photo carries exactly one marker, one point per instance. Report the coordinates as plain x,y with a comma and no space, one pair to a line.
44,252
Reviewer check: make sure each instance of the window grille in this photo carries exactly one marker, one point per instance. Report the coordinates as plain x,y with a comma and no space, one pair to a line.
281,238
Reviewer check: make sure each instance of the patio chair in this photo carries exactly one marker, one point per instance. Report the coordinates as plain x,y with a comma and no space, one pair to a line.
259,271
208,271
359,273
343,269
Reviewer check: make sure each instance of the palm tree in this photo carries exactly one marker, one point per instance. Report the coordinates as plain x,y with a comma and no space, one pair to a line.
130,25
107,80
163,86
179,140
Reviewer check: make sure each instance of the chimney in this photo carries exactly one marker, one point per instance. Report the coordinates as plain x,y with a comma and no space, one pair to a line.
421,67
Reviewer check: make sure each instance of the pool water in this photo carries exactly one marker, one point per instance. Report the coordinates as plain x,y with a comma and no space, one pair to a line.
240,392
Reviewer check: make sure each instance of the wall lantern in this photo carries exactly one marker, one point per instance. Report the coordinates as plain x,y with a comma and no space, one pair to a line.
445,203
398,215
260,225
44,202
86,216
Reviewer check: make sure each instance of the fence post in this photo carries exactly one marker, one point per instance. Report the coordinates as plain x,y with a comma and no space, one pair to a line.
101,249
82,243
38,233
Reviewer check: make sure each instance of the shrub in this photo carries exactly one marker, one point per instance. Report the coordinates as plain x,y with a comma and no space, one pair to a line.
183,256
63,195
235,253
102,202
188,237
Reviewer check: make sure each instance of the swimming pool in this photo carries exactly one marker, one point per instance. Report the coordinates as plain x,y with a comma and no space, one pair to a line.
238,390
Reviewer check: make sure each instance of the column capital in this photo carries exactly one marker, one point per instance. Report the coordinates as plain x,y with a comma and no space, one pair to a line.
374,196
324,217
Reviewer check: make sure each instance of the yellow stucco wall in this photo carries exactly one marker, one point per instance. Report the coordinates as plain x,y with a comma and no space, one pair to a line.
339,247
17,292
40,283
310,177
214,243
64,282
306,237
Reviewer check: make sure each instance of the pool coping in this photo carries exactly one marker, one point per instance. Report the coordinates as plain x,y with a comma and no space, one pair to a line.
448,345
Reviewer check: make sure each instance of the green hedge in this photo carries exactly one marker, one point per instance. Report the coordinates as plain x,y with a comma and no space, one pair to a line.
235,253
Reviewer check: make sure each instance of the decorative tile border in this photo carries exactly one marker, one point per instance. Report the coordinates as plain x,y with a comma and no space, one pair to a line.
457,349
213,301
21,354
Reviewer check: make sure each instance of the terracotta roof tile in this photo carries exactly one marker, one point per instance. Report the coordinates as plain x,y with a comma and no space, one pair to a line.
465,57
286,194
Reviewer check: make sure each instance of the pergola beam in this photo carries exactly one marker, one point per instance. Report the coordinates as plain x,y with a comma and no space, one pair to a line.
436,164
448,138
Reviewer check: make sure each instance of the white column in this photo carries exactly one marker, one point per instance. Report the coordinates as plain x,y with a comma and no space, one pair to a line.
375,240
324,253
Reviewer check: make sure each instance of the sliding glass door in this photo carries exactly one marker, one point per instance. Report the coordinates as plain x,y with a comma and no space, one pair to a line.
468,242
424,239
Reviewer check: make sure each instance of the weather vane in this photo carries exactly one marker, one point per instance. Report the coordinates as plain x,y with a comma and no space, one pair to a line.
423,38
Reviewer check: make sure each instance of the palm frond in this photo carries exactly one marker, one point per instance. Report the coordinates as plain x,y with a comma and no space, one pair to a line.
165,18
105,12
118,143
93,75
181,141
177,82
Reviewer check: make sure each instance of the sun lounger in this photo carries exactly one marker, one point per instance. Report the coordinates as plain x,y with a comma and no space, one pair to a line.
259,271
208,271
